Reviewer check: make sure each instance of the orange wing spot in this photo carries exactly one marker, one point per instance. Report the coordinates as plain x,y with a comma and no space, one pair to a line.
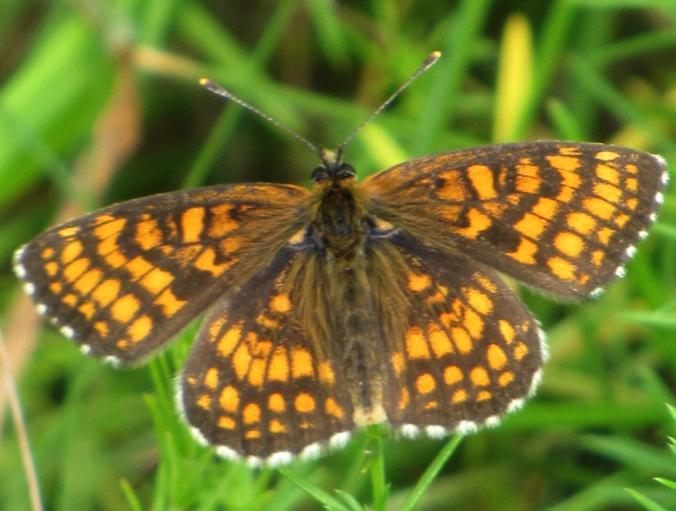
479,376
69,299
55,287
604,235
569,243
75,269
496,357
278,369
215,328
301,363
447,318
326,373
584,278
229,340
267,322
473,324
382,225
204,401
333,409
280,303
304,403
495,208
241,359
106,291
87,309
211,378
506,378
631,184
546,208
138,267
449,213
478,301
397,363
276,403
597,257
507,330
87,281
454,187
221,222
169,303
229,399
148,233
569,151
515,198
484,282
425,383
124,308
206,261
156,280
102,328
108,229
459,396
140,328
230,245
566,163
258,348
122,344
606,155
599,208
526,168
72,250
47,253
452,375
531,226
431,405
115,260
252,434
417,282
256,374
520,350
563,269
192,224
607,173
226,422
581,222
481,178
483,395
441,344
108,246
68,232
631,168
565,195
608,192
478,222
276,427
462,340
416,347
621,219
527,184
404,398
184,255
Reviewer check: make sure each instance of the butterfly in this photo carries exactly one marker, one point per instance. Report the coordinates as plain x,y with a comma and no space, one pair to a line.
352,303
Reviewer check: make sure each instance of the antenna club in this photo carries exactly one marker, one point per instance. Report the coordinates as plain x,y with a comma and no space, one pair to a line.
204,81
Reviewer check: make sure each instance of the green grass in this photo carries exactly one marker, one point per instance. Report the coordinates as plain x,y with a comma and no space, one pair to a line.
596,434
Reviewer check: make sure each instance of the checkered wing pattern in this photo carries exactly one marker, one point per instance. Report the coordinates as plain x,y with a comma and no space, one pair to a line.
255,384
560,216
468,350
123,280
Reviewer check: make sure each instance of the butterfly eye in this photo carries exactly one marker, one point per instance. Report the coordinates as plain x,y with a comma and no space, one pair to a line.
320,174
345,171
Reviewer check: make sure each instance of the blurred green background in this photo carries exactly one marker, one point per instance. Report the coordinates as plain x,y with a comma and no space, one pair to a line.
99,103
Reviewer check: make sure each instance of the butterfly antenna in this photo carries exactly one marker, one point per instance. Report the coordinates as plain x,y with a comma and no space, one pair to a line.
429,61
222,91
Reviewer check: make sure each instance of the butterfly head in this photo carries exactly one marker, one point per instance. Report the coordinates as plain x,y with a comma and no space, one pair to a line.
333,168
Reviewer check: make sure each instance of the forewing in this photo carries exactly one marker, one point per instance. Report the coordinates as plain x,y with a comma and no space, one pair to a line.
466,351
255,384
123,280
560,216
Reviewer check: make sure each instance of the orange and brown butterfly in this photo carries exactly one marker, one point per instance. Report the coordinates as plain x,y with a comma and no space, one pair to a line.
351,303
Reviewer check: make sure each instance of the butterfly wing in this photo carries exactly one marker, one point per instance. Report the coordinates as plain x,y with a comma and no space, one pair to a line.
256,385
462,349
123,280
560,216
